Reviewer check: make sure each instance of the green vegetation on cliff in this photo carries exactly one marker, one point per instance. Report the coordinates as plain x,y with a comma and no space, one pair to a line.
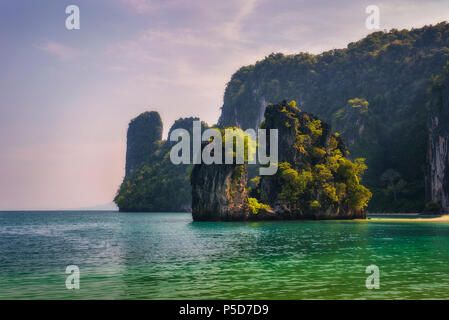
314,174
143,138
314,180
156,184
255,206
374,93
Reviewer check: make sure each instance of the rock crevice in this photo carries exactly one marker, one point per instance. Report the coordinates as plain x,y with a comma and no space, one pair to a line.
437,177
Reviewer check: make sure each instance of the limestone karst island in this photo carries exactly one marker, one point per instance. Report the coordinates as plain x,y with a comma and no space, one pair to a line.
376,142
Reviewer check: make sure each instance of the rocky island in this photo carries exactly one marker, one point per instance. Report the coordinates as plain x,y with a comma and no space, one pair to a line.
374,92
152,183
315,179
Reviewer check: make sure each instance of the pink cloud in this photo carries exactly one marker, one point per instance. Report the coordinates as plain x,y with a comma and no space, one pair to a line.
59,50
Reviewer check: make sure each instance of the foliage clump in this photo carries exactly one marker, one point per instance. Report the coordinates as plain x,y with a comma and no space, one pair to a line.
319,175
255,206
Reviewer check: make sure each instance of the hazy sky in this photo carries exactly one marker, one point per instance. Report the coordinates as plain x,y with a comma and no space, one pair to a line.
66,97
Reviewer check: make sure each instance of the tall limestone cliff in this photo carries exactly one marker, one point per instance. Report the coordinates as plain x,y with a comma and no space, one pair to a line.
437,179
153,183
144,132
219,192
315,180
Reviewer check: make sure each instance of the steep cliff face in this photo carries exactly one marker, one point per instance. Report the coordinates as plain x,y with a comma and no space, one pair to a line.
143,134
219,193
353,120
315,180
437,179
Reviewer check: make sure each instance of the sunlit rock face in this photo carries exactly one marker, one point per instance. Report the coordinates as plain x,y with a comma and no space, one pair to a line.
437,178
219,192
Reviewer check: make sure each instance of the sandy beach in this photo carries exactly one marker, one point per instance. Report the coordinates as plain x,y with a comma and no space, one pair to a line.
444,218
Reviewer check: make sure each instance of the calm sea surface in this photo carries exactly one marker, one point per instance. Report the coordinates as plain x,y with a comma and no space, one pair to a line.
167,256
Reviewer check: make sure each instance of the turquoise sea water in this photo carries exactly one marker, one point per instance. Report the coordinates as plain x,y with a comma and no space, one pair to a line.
167,256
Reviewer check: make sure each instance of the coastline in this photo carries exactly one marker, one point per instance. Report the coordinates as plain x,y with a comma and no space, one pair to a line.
443,218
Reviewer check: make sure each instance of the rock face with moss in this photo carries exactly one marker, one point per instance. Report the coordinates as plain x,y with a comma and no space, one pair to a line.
437,178
143,134
219,193
315,179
